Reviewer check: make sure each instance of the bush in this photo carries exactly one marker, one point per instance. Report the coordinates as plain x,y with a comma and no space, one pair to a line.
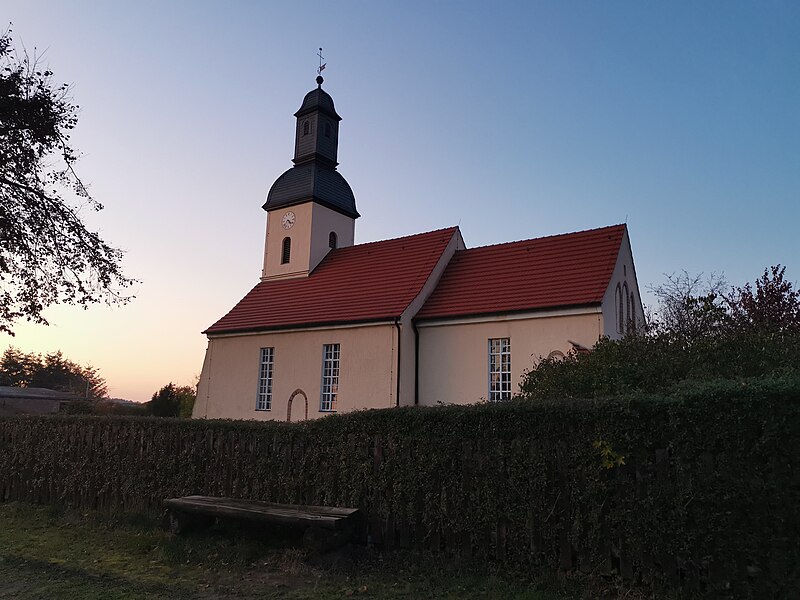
659,362
172,401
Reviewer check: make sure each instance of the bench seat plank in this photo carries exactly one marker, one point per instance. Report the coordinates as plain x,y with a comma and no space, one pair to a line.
326,517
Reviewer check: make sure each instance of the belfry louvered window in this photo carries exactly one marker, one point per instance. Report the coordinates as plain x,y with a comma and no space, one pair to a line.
286,250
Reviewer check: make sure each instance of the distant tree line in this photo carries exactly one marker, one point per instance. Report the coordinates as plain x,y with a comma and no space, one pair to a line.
699,332
51,371
55,372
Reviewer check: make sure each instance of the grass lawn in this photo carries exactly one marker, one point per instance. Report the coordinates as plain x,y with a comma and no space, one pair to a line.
47,552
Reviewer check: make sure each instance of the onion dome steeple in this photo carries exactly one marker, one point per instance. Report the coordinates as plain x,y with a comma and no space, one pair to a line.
314,176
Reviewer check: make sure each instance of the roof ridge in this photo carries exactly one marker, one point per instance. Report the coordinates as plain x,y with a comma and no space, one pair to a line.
402,237
544,237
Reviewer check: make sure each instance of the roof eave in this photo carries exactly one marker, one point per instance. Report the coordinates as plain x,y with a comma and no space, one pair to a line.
325,111
303,199
309,325
470,315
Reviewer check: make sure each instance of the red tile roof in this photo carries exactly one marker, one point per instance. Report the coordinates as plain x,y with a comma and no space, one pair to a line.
367,282
558,271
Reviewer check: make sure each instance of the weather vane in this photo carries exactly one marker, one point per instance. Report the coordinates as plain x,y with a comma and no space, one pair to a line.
321,64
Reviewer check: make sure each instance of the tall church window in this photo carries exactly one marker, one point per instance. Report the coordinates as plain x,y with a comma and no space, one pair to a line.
286,250
499,369
332,240
330,377
306,128
264,393
627,300
327,129
620,310
632,317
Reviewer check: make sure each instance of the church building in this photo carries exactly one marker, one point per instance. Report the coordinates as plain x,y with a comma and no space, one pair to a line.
335,326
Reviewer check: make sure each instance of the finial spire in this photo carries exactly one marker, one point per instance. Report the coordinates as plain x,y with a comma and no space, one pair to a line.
320,69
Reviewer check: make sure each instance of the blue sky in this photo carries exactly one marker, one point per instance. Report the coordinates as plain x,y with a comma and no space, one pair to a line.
513,120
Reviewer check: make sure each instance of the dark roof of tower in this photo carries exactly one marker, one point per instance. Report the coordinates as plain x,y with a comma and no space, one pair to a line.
312,182
320,100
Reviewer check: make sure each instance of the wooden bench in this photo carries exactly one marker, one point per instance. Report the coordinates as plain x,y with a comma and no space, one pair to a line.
325,527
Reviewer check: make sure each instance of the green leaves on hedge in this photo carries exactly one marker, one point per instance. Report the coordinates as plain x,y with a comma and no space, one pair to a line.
698,487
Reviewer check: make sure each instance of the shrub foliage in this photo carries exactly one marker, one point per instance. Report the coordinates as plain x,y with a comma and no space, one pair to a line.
172,401
754,331
659,362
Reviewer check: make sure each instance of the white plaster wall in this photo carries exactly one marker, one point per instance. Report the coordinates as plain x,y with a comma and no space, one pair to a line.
454,359
624,272
309,235
228,382
323,221
407,338
300,235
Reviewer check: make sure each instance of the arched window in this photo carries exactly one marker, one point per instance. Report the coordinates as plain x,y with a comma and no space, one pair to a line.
632,324
286,250
306,128
327,129
627,300
332,240
620,310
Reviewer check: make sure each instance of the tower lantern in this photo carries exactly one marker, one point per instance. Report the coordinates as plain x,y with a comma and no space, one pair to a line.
310,208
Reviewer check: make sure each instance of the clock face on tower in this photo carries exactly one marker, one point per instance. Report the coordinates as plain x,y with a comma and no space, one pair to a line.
288,220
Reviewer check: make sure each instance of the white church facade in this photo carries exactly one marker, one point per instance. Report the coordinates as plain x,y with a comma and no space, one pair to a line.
334,326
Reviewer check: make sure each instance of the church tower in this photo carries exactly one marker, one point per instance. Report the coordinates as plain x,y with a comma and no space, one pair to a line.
310,208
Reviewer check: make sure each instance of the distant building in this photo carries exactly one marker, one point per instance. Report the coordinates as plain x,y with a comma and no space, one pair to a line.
418,320
32,401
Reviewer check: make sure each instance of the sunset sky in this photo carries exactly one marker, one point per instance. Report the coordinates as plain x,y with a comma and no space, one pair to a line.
512,120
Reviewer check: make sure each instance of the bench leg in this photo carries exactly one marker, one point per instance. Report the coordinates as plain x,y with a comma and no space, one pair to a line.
178,522
318,540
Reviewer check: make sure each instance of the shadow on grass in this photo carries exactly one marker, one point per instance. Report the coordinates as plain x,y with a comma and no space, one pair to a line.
32,578
127,556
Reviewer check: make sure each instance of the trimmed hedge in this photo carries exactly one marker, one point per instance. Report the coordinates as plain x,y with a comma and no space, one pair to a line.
699,489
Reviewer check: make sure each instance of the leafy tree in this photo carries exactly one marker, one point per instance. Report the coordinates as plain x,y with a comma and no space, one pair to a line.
172,401
690,306
747,333
773,306
51,371
47,255
17,368
188,397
